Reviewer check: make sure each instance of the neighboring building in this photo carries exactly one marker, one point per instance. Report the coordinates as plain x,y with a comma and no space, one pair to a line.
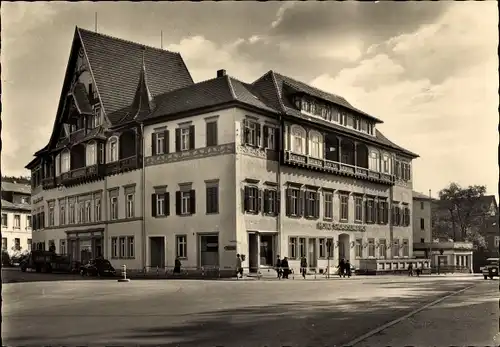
275,167
422,218
16,217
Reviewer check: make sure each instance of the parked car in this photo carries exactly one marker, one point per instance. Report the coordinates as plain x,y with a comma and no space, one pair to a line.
46,261
98,267
491,268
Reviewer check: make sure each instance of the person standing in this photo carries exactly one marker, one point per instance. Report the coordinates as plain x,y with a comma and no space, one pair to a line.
341,267
347,268
303,266
239,267
410,269
279,270
284,267
177,266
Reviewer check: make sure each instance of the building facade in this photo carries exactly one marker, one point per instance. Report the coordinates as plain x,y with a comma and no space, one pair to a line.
422,218
16,217
205,171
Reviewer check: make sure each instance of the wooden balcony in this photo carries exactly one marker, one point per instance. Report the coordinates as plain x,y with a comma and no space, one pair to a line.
337,168
124,165
48,183
82,175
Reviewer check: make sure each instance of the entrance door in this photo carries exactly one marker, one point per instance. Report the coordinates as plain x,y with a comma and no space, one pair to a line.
311,253
344,249
253,252
209,250
267,249
157,251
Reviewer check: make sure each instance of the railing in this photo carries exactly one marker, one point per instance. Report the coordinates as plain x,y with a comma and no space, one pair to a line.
129,163
48,183
337,167
81,173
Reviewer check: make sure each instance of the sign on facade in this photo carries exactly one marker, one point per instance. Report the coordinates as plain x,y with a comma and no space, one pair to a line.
340,226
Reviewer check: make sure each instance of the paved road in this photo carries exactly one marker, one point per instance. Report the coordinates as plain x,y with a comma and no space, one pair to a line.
210,313
467,319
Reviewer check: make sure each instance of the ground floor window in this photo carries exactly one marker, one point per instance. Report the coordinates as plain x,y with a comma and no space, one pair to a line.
181,246
359,248
382,248
292,248
209,250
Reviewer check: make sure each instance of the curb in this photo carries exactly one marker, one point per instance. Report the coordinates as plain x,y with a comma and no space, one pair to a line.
406,316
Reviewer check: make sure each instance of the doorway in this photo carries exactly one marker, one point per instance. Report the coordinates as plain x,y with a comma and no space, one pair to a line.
311,253
253,252
209,250
157,251
267,249
344,250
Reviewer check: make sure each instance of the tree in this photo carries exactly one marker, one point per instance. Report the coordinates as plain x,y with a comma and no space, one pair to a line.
460,217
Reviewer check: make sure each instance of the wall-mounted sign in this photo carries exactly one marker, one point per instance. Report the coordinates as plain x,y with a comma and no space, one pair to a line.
340,226
230,248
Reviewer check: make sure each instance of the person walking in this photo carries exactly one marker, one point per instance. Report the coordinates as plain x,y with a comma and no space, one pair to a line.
177,266
239,267
410,269
303,267
279,270
341,267
347,270
284,267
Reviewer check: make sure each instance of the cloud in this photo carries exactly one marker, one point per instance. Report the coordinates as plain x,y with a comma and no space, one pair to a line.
451,121
281,13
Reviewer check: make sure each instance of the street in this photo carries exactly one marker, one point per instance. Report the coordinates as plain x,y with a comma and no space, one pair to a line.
209,313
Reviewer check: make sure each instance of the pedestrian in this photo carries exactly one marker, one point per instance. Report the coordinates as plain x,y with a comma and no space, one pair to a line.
347,270
303,266
177,266
279,270
239,266
341,267
410,269
419,270
285,268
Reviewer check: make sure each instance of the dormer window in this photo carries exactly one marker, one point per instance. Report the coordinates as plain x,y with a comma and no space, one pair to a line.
97,116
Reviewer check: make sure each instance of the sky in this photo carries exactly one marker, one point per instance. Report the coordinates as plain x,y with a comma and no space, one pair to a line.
429,70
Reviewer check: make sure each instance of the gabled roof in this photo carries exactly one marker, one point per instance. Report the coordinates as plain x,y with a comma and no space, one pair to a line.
210,93
7,205
16,188
420,196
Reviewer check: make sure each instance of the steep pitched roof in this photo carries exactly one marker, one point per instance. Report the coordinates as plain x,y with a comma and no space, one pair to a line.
7,205
116,64
16,188
210,93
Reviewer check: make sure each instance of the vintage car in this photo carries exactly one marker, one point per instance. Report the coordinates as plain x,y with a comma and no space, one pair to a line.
491,268
97,267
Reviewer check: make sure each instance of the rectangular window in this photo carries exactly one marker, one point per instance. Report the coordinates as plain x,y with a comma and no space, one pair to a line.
292,248
159,143
17,221
71,213
271,202
102,151
97,212
81,212
88,211
359,248
251,135
371,247
294,202
270,138
382,212
358,213
421,205
211,134
322,248
344,207
17,244
130,206
312,204
406,217
328,205
4,243
160,204
181,246
114,247
252,201
28,222
302,247
185,139
4,220
62,246
406,248
396,216
30,244
422,224
113,206
330,247
51,216
212,203
185,202
123,248
130,247
382,248
395,248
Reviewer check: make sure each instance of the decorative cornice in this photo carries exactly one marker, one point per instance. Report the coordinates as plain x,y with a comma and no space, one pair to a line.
199,153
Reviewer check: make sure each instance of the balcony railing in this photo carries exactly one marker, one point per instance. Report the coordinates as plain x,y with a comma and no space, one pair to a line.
48,183
338,168
80,175
125,164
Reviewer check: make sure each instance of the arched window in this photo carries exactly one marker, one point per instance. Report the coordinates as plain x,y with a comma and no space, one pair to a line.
58,165
298,139
91,154
374,161
113,149
315,144
65,161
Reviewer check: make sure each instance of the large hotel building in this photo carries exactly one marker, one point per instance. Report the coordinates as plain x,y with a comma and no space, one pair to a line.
144,165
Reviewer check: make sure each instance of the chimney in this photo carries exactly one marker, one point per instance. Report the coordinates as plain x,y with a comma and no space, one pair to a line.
221,73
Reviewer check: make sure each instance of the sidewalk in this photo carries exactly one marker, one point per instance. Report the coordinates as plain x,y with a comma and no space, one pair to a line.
466,319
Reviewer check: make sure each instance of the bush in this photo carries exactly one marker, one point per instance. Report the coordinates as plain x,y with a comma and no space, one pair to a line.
6,259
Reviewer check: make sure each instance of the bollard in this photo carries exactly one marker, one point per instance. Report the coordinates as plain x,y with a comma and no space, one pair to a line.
124,271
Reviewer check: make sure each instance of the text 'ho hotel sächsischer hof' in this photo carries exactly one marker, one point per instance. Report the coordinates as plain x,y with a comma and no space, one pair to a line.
144,165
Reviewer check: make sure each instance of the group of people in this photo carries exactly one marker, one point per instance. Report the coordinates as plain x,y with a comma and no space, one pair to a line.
410,270
344,268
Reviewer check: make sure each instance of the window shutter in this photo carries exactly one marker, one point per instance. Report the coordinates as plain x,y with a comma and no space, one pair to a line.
244,132
153,205
277,138
259,200
288,203
386,213
166,196
366,211
177,140
166,142
215,134
302,203
178,203
245,198
305,204
192,200
375,212
258,135
266,201
153,144
316,205
191,137
266,136
278,202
